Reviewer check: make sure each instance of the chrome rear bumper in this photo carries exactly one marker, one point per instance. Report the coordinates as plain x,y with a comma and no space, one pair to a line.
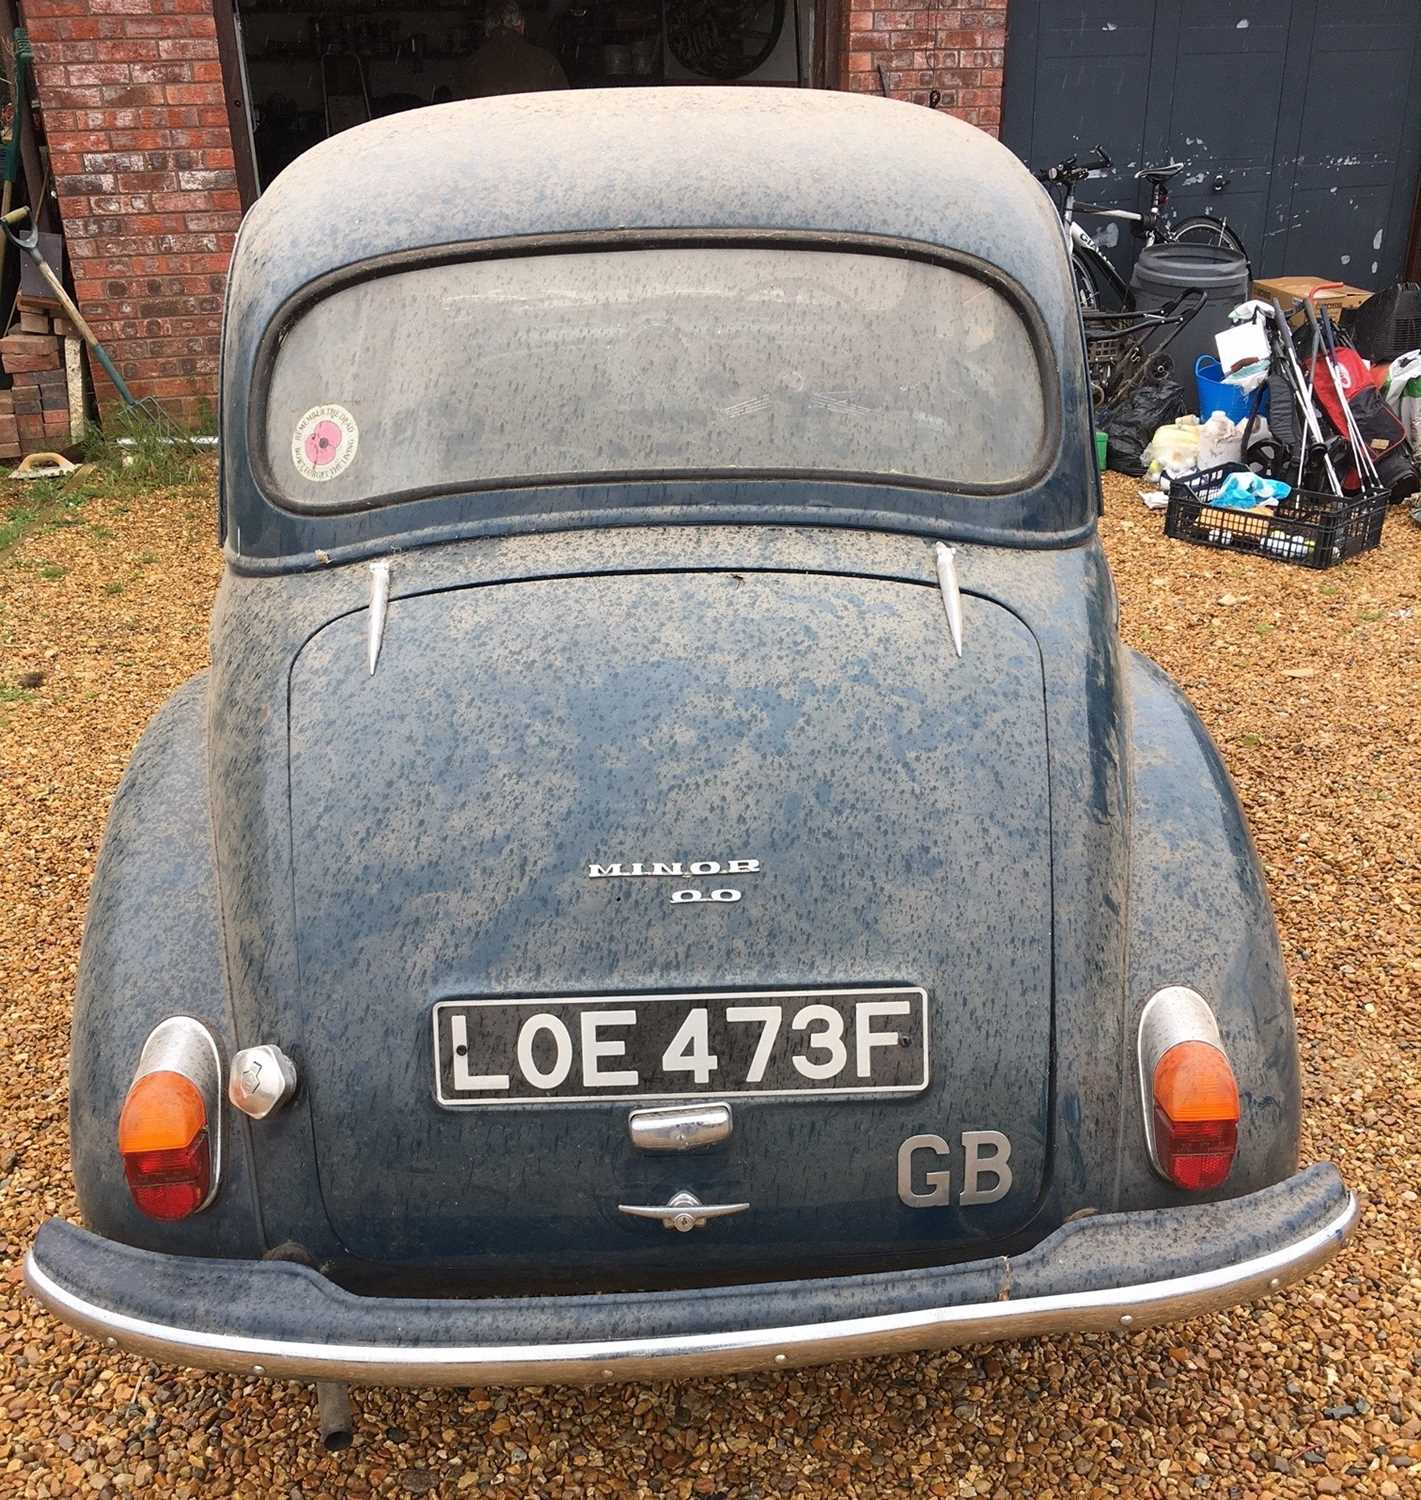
280,1319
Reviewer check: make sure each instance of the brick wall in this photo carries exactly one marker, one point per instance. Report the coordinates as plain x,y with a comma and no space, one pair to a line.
955,46
135,114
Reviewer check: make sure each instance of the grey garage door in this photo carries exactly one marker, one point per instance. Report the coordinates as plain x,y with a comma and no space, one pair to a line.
1300,121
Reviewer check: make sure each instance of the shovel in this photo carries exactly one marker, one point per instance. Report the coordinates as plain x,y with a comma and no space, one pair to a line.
28,242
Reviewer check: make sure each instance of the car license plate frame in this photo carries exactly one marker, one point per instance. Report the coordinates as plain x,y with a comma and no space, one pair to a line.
541,1050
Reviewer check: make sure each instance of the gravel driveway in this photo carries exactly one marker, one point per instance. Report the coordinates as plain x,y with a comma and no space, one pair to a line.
1311,682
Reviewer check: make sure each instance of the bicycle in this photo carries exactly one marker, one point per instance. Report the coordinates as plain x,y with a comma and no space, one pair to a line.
1123,347
1096,278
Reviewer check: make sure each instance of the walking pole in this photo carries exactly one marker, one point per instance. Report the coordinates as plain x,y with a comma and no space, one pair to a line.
1308,396
1300,390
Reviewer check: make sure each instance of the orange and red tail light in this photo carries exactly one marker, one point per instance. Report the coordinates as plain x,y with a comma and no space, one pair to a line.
167,1155
1196,1115
169,1131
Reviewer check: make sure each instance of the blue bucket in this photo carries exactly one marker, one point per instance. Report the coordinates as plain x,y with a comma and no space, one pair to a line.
1216,394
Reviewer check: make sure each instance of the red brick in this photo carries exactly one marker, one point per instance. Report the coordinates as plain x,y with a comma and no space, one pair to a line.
28,345
190,47
163,72
193,93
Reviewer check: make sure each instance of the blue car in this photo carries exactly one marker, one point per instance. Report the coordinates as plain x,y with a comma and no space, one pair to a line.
672,868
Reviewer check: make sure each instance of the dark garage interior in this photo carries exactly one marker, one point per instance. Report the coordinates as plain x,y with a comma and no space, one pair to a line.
315,67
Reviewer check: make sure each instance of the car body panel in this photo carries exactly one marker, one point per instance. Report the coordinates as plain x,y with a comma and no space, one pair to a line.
153,948
1105,708
445,812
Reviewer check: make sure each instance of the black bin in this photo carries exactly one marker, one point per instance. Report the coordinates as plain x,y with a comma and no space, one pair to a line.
1162,272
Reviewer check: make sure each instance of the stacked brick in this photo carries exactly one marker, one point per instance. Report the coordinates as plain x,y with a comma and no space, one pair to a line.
955,46
34,412
136,119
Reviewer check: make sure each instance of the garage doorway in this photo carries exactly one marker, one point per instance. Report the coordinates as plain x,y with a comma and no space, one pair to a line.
298,71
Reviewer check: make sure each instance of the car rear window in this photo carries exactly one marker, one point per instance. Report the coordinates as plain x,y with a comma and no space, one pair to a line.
665,361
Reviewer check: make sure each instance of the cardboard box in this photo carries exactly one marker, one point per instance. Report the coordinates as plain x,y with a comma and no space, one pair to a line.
1291,289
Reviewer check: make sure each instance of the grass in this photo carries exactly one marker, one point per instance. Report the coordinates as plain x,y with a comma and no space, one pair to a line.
143,464
9,694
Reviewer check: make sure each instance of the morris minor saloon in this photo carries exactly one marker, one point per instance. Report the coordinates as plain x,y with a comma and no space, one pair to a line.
672,868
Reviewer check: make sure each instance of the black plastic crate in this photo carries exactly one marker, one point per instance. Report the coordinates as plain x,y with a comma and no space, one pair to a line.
1309,529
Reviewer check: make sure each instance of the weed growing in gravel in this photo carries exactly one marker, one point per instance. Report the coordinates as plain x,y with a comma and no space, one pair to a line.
137,455
44,504
10,694
51,572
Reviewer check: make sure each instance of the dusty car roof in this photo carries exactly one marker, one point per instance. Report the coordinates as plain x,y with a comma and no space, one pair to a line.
607,159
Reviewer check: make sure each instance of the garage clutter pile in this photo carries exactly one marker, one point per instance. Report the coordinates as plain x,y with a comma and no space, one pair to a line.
1308,431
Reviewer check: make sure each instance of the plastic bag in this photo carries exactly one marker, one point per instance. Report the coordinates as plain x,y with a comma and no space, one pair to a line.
1173,450
1221,441
1409,411
1244,491
1132,423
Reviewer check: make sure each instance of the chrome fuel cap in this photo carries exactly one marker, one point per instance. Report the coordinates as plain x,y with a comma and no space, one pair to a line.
260,1080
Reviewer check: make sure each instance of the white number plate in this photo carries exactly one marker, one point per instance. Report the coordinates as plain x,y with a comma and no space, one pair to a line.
766,1044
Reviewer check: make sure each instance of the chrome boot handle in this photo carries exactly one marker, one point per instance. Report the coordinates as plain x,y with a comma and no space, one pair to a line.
684,1212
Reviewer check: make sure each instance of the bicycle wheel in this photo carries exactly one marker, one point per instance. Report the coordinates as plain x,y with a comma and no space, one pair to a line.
1097,284
723,38
1202,230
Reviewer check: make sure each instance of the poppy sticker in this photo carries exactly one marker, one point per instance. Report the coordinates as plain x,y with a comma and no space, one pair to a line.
324,443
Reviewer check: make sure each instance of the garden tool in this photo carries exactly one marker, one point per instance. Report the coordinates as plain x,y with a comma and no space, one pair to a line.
24,57
28,242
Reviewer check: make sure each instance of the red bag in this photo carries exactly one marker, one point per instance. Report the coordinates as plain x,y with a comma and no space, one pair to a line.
1379,426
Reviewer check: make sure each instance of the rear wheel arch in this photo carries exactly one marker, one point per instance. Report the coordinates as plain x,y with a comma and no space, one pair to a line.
1199,915
152,949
